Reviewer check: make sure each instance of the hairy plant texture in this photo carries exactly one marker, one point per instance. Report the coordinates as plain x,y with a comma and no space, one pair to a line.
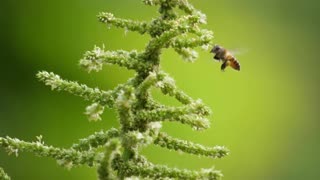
140,116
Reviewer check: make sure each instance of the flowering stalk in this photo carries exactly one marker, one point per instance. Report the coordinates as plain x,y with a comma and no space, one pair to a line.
140,116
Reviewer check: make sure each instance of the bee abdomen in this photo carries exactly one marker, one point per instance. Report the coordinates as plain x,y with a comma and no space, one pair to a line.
235,64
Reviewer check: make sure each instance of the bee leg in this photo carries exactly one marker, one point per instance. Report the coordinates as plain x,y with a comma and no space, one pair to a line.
224,65
216,58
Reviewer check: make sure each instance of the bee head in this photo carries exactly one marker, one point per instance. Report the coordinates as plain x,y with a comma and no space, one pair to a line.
215,48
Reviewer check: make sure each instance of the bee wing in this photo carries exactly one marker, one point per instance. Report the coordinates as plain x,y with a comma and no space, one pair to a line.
239,51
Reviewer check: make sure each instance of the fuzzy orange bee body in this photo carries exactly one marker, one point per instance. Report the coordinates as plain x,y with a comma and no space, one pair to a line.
221,54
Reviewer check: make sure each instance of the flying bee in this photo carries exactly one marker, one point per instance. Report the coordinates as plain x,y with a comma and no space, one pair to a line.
221,54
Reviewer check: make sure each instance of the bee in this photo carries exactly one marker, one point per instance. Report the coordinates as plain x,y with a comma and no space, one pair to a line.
221,54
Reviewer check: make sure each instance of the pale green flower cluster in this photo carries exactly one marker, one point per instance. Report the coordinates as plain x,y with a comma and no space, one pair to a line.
3,175
115,152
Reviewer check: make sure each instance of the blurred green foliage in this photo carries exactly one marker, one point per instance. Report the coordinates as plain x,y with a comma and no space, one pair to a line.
267,114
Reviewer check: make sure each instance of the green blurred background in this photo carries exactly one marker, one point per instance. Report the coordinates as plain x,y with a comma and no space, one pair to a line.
267,114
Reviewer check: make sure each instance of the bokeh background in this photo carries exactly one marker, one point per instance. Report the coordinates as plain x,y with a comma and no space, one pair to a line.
267,114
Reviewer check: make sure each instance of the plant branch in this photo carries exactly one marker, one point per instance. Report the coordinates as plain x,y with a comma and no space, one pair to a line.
167,86
166,141
187,42
105,171
105,98
96,140
128,24
64,157
148,170
93,60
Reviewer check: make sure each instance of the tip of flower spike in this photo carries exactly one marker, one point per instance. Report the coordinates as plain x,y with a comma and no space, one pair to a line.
39,74
221,151
43,74
50,79
212,173
105,17
92,60
200,107
202,18
201,124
